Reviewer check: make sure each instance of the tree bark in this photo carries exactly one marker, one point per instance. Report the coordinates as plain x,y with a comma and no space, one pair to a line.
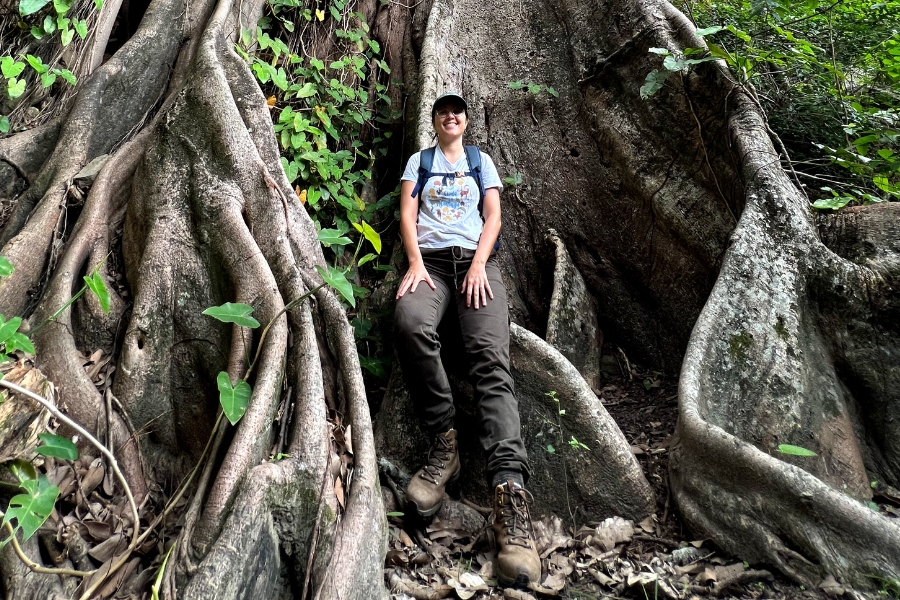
674,211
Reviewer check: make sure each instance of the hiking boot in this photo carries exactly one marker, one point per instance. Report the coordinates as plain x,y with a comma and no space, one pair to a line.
426,488
518,563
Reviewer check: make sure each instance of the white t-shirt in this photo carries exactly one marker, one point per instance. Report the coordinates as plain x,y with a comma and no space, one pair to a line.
448,210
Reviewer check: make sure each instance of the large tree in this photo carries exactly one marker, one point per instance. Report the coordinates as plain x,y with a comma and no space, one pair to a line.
671,209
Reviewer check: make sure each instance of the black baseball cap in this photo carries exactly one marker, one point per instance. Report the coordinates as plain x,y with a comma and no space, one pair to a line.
448,98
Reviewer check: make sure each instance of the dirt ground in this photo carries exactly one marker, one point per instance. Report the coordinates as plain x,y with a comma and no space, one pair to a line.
658,558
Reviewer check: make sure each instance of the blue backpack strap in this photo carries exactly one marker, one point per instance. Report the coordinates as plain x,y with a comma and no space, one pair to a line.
473,157
426,159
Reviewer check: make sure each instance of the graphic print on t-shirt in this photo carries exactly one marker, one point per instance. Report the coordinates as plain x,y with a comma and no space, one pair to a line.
449,198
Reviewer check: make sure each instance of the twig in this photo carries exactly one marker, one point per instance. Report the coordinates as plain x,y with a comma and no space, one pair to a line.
655,540
481,509
81,430
36,567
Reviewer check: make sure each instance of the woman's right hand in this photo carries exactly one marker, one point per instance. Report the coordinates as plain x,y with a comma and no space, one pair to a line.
416,274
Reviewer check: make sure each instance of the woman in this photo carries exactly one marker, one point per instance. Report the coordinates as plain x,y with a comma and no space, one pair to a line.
449,244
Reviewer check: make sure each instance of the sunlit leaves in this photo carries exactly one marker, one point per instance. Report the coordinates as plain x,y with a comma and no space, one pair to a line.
96,284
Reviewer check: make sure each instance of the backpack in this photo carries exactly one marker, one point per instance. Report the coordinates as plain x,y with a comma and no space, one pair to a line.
473,158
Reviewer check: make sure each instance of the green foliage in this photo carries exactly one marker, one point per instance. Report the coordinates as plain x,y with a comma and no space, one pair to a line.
11,339
337,279
795,450
57,447
95,283
514,180
234,398
532,88
231,312
28,511
576,445
827,75
39,19
6,267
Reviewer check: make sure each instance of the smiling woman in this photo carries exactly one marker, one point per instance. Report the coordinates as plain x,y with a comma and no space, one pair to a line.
450,220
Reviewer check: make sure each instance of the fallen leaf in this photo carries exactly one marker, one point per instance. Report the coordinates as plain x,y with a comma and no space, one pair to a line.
555,582
405,539
648,524
831,587
270,101
339,491
612,531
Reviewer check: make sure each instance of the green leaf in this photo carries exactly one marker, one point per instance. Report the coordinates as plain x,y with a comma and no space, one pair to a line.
308,89
795,450
67,75
234,399
62,6
96,284
11,67
370,234
395,514
49,24
550,449
67,36
4,128
8,328
6,267
231,312
36,32
831,203
19,341
31,509
660,51
552,92
98,4
653,83
29,7
516,85
57,447
47,79
337,279
333,237
36,63
710,30
80,26
534,88
365,259
15,88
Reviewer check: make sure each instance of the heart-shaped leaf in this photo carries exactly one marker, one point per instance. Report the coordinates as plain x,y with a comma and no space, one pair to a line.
234,399
233,312
11,67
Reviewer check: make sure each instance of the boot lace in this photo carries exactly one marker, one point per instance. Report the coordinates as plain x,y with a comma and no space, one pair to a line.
440,454
514,515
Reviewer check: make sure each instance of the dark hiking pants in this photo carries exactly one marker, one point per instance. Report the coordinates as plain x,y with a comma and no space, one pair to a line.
485,337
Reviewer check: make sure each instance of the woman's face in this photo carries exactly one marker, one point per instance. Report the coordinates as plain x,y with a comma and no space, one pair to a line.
450,121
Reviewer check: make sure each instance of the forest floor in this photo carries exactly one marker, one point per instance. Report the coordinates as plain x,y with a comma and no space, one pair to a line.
654,559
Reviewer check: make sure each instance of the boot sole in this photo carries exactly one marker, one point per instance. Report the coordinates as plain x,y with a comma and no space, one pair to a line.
432,511
521,581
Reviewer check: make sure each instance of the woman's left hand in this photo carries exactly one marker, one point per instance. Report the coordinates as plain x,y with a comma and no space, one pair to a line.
476,286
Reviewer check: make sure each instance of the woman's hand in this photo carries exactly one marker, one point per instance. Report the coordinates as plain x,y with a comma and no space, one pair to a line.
416,274
476,286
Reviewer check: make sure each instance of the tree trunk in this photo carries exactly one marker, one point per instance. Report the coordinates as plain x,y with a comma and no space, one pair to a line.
796,343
